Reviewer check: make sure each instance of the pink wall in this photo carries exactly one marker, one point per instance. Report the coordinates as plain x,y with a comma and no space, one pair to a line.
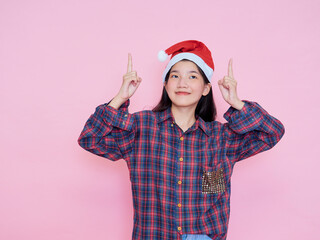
60,59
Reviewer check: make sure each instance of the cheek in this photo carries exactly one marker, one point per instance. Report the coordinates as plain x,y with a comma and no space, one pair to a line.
198,87
169,86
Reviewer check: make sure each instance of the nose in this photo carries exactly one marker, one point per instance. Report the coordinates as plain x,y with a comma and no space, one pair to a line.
182,82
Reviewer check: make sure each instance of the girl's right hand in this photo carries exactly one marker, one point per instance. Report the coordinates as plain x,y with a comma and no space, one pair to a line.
131,82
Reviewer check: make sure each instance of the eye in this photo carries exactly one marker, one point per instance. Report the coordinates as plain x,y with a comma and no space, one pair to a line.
174,76
193,77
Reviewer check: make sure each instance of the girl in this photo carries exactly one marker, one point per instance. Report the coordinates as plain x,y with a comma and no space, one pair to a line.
179,157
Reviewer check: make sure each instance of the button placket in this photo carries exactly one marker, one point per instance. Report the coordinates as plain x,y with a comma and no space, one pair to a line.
180,175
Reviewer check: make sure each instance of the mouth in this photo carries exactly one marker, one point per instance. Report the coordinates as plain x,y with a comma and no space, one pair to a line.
182,93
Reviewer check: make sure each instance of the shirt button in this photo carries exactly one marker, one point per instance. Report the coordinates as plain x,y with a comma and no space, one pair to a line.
181,138
171,124
179,182
179,228
181,159
126,115
123,123
179,205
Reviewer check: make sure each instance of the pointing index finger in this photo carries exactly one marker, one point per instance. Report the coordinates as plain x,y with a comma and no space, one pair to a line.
230,71
129,69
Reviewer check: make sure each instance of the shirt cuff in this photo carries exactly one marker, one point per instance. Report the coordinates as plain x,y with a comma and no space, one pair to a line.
248,118
120,118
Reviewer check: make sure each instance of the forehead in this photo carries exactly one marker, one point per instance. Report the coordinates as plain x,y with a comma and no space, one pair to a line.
185,64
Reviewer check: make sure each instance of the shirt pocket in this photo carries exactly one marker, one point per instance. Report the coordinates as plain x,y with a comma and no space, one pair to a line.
213,180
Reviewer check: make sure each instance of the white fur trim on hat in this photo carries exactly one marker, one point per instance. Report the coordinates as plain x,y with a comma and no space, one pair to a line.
208,71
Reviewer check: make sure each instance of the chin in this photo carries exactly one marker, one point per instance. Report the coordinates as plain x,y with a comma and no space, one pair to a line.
184,104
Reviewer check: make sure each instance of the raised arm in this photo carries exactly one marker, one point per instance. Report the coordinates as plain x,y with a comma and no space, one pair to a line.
110,130
250,128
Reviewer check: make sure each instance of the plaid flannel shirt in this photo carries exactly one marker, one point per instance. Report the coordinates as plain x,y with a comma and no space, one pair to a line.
180,180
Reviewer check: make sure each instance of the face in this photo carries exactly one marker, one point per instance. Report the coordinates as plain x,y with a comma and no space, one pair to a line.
185,85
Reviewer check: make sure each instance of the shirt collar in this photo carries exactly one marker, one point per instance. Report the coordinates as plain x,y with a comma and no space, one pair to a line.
167,114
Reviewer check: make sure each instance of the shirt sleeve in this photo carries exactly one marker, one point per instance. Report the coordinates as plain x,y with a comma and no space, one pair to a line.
109,132
250,130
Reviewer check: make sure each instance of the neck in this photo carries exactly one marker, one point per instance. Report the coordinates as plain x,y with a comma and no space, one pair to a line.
184,116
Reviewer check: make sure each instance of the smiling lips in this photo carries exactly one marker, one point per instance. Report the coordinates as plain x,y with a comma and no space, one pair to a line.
182,93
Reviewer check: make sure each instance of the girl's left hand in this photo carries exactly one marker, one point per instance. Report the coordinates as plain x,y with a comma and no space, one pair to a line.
228,88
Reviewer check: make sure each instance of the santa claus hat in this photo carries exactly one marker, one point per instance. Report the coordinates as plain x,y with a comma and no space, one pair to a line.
192,50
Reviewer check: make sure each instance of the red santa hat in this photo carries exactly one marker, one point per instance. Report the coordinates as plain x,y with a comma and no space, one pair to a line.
192,50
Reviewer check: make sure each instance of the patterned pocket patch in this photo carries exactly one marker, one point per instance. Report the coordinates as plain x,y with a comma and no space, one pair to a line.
213,182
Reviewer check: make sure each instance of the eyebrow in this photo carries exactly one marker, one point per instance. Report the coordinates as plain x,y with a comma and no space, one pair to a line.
188,72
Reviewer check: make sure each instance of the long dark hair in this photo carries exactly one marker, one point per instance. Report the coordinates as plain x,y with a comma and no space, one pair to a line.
206,108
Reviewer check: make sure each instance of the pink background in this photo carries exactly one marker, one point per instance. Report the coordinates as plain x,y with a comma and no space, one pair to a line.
61,59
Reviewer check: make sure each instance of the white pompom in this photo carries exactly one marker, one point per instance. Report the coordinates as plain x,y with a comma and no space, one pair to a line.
162,56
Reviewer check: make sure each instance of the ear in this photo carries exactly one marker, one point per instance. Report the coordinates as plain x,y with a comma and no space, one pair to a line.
206,89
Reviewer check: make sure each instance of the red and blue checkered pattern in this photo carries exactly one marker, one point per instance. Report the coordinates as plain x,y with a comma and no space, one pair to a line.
166,165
